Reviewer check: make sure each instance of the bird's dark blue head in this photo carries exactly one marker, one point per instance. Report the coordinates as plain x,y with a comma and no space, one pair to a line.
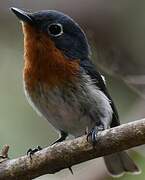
65,32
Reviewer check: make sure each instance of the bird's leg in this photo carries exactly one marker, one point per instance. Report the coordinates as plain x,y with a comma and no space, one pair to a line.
70,169
63,136
92,135
30,151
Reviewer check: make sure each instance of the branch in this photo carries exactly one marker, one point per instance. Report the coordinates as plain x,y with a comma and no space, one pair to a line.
66,154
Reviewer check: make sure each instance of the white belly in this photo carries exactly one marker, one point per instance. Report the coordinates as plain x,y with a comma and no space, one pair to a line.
72,112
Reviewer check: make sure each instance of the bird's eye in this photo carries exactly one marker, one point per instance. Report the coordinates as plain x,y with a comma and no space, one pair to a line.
55,29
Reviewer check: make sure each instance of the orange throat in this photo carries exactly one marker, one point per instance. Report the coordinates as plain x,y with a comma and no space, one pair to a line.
44,63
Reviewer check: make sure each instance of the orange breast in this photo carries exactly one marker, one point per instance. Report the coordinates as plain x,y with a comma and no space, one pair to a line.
44,62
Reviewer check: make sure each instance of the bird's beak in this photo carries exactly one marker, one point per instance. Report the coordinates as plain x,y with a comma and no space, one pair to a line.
22,15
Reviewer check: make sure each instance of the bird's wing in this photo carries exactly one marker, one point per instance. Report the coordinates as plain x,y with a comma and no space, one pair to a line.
90,70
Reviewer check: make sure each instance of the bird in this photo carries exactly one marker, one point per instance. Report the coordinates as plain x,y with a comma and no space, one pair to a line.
63,85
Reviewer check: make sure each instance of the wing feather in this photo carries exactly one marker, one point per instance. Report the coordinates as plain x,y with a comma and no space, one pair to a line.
90,70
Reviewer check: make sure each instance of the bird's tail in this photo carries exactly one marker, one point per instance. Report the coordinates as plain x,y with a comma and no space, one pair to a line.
119,163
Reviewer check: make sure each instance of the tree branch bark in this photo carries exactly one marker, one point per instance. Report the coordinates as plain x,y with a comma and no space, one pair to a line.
66,154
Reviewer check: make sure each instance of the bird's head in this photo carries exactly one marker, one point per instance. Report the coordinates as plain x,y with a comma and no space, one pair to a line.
60,28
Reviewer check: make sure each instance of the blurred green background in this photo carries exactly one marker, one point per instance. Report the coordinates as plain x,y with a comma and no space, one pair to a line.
21,127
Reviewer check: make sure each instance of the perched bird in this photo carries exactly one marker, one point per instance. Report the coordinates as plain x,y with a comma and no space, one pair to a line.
62,83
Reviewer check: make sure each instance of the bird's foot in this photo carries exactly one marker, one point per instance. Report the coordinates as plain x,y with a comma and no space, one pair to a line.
31,152
92,135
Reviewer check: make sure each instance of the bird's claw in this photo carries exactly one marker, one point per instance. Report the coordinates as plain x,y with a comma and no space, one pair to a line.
92,135
31,152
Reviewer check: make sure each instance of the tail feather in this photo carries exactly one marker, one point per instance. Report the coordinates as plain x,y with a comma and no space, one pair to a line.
119,163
